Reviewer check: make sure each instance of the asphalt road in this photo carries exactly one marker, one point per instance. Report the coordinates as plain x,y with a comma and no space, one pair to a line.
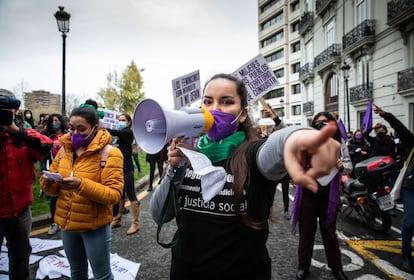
154,259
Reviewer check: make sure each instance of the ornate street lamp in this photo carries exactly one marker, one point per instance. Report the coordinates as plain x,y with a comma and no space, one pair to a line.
62,19
345,69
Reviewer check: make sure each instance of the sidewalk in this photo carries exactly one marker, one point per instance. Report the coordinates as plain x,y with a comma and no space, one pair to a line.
45,219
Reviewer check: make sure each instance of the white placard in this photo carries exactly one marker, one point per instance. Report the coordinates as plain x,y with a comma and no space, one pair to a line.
186,89
258,78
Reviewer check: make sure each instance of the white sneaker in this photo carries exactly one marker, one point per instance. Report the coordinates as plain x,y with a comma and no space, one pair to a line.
53,229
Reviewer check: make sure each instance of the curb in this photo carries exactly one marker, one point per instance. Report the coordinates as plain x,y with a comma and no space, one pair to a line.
45,219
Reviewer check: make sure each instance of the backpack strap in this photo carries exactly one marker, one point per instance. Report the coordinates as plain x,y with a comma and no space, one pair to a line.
105,154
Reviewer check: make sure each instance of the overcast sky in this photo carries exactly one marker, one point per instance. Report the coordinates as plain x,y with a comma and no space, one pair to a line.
166,38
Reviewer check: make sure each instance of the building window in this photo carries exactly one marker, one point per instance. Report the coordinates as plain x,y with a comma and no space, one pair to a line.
362,68
268,5
279,73
295,6
296,67
330,33
331,89
296,88
275,37
274,56
279,92
272,20
296,111
295,47
294,26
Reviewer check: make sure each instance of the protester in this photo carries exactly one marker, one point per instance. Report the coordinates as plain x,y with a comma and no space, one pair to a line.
125,139
56,127
358,149
156,159
407,189
28,117
382,144
20,120
86,193
135,152
285,182
19,149
309,207
225,237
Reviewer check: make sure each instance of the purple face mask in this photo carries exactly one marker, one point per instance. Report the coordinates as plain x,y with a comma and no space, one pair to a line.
80,140
224,125
358,137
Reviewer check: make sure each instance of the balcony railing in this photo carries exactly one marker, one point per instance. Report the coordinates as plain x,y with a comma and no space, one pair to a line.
323,5
365,30
306,72
361,92
332,51
306,22
399,12
406,79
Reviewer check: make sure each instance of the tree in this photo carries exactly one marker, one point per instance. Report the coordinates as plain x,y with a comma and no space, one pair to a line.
123,95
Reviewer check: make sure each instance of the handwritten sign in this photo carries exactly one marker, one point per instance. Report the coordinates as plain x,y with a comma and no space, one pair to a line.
258,78
186,89
110,119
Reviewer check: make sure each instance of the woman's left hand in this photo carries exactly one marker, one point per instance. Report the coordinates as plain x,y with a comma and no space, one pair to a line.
322,149
70,183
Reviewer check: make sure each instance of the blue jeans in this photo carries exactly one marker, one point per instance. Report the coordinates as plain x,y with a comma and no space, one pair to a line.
92,245
407,226
17,231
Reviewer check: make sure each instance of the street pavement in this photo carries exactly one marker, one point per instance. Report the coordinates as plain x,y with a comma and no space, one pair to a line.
155,260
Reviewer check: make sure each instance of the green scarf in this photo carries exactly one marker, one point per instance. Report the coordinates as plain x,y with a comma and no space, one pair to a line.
221,150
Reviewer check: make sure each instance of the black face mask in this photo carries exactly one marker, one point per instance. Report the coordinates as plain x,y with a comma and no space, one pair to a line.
381,134
319,125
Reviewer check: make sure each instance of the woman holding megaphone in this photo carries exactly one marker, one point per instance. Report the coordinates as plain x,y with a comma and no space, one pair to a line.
225,237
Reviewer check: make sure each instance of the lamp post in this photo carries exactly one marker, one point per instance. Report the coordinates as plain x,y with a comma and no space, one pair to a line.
345,69
62,19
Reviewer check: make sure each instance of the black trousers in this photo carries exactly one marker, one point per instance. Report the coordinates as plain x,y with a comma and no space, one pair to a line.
315,206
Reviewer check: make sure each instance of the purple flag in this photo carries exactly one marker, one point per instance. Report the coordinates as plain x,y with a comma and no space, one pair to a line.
342,129
367,122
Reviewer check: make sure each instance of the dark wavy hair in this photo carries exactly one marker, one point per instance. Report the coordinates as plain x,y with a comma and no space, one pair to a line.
87,113
49,124
237,162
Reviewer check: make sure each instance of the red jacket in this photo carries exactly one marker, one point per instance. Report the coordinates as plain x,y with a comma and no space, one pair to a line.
18,152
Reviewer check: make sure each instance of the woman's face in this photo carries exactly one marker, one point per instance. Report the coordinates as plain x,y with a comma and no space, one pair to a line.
79,125
221,95
122,118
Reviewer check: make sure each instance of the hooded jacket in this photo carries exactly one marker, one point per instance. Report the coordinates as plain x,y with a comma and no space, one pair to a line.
89,207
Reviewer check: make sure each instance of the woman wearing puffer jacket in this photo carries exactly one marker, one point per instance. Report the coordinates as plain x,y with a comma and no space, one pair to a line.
86,193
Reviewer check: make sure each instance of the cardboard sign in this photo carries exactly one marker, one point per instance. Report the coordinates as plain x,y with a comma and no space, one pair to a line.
186,89
258,78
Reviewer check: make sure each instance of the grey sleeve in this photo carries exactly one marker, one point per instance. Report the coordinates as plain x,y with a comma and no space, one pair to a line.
161,192
269,158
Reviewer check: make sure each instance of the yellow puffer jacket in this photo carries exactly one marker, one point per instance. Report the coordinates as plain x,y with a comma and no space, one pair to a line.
90,206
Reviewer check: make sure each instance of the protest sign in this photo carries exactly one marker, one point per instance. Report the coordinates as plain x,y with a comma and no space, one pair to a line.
110,119
186,89
258,78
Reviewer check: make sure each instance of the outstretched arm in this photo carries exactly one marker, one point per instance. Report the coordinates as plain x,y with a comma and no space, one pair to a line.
287,150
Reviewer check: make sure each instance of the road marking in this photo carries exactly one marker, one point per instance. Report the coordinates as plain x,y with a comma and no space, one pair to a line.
365,248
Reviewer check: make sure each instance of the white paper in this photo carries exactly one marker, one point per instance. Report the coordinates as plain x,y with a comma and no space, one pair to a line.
53,176
325,180
40,245
212,177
